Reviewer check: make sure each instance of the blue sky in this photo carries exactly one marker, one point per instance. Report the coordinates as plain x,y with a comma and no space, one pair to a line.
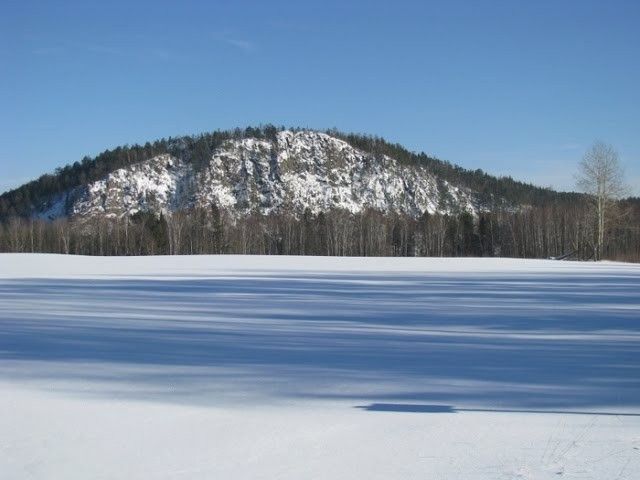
513,87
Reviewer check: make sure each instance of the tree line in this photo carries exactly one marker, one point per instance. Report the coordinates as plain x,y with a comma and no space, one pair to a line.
548,230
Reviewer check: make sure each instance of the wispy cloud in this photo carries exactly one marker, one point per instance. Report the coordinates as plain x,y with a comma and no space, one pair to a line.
238,43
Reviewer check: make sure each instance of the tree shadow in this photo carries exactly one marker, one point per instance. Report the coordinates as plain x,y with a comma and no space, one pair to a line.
418,408
521,341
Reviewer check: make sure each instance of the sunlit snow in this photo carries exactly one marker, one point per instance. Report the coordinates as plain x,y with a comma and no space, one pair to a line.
300,170
251,367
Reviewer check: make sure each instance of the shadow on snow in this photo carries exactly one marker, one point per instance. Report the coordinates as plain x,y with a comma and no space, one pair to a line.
417,408
513,341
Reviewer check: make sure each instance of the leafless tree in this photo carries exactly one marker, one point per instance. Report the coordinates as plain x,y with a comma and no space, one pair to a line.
601,178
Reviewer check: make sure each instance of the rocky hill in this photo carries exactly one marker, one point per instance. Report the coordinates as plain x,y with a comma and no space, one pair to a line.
294,171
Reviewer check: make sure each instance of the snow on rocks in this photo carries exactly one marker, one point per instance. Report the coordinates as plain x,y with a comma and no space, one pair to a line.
299,171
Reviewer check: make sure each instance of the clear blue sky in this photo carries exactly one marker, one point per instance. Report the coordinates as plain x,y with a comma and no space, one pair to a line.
513,87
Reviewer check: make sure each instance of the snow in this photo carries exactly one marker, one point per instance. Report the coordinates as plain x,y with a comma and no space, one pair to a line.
299,170
54,209
152,185
304,367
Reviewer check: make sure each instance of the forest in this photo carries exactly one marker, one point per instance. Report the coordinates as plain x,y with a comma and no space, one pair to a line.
545,231
547,223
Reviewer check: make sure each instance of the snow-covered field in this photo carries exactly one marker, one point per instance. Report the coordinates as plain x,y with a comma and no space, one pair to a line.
318,368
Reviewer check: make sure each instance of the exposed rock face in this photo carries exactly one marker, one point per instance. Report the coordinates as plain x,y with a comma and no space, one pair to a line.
299,170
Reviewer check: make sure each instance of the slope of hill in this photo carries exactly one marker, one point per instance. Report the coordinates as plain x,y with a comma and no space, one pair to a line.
265,170
298,171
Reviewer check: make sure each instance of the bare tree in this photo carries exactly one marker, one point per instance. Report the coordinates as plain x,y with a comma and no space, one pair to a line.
601,177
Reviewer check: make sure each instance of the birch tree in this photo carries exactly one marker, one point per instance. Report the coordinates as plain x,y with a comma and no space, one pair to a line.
601,177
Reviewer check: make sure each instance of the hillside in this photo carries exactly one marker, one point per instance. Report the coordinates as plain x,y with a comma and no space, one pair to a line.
297,192
297,171
265,170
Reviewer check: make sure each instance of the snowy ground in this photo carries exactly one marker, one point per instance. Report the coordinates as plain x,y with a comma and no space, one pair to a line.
318,368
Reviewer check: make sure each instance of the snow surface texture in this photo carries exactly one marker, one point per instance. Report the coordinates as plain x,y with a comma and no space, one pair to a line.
328,368
300,170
